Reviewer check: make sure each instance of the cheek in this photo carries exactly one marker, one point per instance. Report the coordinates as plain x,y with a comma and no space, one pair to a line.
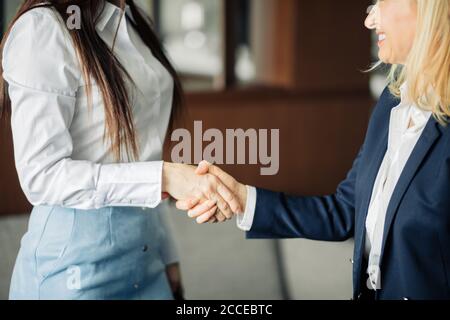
399,23
397,46
403,45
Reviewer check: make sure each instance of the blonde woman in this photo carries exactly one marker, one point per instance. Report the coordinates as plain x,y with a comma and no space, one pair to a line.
395,201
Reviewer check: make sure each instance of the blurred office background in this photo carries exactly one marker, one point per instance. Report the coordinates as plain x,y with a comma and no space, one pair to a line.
293,65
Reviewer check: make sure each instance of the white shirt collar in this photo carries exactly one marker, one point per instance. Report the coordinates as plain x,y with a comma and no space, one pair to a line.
109,12
419,117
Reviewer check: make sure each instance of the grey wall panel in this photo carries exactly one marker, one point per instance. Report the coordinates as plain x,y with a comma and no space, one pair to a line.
318,270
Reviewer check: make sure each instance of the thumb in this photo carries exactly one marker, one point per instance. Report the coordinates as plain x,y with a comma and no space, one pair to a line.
203,167
228,180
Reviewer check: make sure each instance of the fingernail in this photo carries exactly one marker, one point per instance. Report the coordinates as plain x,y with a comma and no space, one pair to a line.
200,220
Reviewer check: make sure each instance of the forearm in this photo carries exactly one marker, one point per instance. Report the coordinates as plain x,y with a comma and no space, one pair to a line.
277,215
88,185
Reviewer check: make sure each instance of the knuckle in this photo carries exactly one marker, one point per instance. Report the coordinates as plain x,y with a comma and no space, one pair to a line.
210,189
224,206
212,179
230,197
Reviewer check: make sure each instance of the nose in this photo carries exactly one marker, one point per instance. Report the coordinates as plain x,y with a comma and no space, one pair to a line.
372,19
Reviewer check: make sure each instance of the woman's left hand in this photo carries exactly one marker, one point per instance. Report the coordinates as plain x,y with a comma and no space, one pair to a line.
174,276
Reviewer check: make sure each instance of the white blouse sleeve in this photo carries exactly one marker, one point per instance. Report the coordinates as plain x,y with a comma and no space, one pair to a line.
42,72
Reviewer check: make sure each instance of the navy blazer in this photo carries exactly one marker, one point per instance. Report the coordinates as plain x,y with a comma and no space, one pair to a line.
415,259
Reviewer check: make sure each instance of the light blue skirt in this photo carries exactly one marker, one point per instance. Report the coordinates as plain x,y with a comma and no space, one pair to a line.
109,253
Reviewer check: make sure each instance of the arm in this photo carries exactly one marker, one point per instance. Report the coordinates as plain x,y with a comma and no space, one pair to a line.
326,218
277,215
43,75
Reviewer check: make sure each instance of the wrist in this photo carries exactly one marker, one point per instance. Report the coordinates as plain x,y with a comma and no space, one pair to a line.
242,192
167,174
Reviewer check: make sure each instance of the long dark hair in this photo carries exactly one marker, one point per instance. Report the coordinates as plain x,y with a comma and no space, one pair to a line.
97,60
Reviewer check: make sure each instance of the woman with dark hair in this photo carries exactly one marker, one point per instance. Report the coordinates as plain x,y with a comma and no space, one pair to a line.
89,110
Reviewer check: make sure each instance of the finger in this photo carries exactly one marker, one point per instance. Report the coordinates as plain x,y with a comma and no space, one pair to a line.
209,217
220,217
202,208
206,216
213,220
186,205
230,199
203,167
224,209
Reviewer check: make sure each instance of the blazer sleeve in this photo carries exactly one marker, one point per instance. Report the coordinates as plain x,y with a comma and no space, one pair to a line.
325,218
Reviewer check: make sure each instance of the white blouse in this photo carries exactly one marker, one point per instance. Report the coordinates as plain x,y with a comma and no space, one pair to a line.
406,125
58,145
59,152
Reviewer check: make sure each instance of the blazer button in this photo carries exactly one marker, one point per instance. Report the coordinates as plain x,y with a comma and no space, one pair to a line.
145,248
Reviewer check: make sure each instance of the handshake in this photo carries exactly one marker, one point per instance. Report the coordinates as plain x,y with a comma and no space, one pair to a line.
207,193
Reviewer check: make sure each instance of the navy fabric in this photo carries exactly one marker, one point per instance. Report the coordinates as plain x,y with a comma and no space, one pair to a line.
415,260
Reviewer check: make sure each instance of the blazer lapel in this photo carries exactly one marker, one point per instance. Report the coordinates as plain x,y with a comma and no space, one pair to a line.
430,134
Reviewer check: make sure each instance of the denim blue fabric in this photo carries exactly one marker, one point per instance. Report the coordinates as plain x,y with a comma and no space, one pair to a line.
109,253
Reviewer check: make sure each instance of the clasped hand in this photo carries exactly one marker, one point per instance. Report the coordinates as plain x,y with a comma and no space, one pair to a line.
207,193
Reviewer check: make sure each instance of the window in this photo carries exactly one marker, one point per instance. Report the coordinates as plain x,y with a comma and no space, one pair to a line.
209,41
191,31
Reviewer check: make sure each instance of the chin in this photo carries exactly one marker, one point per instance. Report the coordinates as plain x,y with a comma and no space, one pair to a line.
384,58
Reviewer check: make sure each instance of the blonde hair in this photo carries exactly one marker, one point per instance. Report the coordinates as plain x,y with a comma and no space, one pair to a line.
427,68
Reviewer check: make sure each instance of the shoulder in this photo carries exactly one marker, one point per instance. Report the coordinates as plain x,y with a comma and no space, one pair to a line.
39,53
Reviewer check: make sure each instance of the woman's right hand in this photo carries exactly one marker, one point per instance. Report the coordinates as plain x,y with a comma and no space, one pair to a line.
201,212
182,183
